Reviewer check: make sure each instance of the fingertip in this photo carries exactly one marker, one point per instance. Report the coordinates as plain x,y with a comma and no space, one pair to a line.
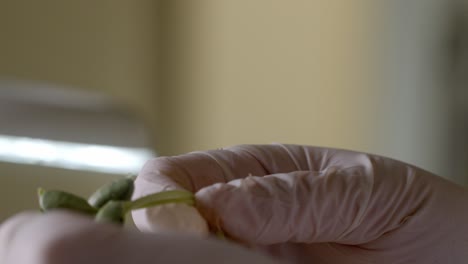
207,203
228,208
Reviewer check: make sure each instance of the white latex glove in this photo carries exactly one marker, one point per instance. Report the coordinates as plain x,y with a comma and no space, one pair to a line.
319,205
62,237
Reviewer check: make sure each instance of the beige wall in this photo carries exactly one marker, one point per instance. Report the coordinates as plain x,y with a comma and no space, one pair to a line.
265,71
108,46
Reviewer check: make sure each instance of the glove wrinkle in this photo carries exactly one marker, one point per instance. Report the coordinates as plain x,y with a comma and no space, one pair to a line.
227,173
292,157
366,186
253,157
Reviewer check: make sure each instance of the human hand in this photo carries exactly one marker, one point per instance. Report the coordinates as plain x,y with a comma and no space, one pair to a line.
59,237
318,205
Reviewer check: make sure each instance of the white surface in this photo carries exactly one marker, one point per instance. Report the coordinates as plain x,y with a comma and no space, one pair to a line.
108,159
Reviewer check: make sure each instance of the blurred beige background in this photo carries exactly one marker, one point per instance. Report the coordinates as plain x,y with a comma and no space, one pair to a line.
366,75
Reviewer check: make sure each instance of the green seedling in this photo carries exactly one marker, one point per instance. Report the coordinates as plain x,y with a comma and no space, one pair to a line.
49,200
111,203
120,189
112,212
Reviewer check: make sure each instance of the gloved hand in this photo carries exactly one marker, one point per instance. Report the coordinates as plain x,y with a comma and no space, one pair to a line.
63,237
319,205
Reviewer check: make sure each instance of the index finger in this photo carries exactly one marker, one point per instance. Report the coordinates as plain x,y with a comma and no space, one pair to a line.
196,170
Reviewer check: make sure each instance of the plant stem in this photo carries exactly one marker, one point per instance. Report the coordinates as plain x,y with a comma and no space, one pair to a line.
165,197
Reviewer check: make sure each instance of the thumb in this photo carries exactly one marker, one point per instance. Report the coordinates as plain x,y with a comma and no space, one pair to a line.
349,206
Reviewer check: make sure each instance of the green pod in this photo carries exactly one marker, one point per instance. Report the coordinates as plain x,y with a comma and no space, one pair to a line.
120,189
111,212
62,200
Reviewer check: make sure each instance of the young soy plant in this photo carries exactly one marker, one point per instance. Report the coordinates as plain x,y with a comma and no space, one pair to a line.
112,202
